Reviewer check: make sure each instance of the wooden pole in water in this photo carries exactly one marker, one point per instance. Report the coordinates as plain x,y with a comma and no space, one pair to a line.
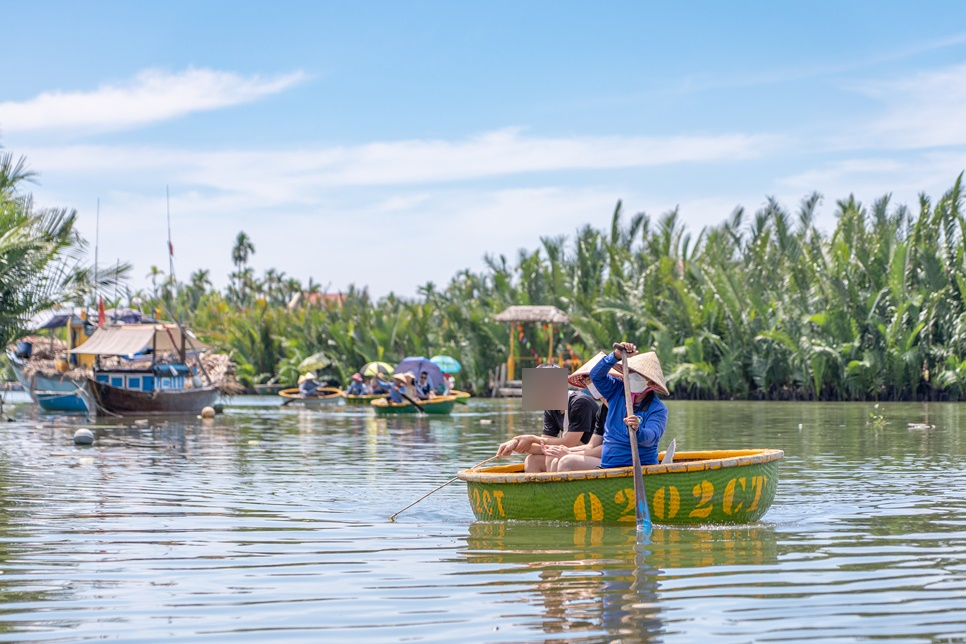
550,352
510,363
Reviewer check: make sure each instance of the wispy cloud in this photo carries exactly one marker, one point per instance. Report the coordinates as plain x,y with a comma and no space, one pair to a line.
297,174
922,111
149,97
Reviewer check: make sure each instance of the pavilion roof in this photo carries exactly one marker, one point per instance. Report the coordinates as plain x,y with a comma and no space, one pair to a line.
550,314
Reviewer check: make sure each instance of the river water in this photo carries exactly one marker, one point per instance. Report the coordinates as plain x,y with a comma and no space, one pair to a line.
270,524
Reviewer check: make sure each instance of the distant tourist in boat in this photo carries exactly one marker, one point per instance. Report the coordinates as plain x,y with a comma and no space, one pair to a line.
424,390
378,386
309,388
403,386
357,387
650,414
450,382
580,411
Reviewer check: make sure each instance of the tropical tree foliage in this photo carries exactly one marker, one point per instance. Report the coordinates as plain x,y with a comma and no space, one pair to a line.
763,306
41,254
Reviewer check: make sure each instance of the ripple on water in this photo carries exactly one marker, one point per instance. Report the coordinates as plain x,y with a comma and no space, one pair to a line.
270,524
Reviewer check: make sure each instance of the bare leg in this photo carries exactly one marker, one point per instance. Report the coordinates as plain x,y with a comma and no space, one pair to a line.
535,463
577,463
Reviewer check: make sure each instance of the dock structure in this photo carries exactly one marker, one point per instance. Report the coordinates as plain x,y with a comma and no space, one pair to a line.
505,384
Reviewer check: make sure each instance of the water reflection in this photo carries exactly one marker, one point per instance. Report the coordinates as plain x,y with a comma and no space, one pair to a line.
601,577
269,524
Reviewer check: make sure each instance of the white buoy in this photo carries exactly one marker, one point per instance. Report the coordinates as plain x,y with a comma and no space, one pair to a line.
208,412
83,436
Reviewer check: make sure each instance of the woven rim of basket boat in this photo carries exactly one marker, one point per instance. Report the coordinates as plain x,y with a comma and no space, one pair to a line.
699,461
383,402
329,393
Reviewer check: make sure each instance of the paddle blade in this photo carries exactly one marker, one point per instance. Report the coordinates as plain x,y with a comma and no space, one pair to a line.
669,452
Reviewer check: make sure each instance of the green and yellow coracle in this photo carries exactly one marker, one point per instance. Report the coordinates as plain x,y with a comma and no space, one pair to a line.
361,401
438,405
698,488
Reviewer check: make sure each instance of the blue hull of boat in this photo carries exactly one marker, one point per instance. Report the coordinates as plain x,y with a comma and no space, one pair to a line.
58,395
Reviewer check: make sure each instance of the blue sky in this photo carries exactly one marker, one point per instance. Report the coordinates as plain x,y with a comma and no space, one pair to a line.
390,144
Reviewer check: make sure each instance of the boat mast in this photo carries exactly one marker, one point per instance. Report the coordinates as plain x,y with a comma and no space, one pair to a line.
167,193
97,239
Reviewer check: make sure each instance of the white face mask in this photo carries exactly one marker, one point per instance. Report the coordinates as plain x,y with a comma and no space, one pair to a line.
593,391
638,383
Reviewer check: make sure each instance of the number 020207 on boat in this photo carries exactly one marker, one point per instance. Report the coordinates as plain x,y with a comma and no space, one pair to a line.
698,488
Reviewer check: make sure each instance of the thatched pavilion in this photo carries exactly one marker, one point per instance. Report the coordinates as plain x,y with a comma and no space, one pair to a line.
522,314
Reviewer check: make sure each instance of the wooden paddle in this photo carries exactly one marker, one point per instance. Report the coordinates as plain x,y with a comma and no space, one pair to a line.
640,495
392,518
407,397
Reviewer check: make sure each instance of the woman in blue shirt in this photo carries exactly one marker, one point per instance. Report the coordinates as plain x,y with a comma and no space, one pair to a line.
650,414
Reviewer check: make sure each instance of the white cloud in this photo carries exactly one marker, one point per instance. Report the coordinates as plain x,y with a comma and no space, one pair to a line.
152,96
925,110
297,174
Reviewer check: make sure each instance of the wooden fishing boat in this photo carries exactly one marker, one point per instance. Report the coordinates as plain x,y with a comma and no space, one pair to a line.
124,400
462,397
698,488
146,370
360,401
61,393
440,405
325,396
53,392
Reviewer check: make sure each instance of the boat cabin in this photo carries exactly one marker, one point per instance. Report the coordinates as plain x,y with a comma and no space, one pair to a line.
143,357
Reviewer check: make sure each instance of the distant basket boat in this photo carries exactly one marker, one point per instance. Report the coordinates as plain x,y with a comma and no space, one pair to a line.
363,400
269,390
325,396
701,487
462,397
441,405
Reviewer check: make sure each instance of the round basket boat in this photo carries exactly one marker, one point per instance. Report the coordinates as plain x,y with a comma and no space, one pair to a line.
441,405
698,488
361,401
326,396
462,397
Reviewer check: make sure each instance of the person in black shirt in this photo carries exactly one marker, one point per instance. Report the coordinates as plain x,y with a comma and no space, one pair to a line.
581,411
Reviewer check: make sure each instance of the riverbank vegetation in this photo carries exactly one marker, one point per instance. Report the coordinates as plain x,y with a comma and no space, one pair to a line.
43,259
763,306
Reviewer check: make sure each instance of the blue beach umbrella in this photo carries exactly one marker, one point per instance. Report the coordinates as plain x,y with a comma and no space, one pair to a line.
447,364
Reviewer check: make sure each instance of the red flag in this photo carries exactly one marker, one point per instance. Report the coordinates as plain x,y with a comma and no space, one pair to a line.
101,318
170,248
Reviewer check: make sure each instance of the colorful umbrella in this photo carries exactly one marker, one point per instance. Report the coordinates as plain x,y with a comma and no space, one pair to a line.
371,369
313,362
447,364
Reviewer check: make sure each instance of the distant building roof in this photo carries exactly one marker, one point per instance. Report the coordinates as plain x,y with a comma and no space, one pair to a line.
550,314
317,299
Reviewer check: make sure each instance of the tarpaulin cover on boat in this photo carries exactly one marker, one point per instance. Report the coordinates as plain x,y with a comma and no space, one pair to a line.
128,340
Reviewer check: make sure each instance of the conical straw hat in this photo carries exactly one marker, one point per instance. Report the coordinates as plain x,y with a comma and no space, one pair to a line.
649,366
577,378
